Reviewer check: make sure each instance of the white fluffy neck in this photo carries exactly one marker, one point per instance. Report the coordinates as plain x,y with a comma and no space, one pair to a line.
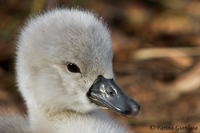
51,121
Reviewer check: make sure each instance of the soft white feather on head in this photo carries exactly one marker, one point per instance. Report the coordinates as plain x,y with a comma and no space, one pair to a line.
47,43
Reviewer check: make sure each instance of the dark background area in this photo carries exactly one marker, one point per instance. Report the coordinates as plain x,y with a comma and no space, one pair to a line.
156,56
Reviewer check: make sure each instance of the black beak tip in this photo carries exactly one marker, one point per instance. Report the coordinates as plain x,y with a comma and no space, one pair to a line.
134,108
138,107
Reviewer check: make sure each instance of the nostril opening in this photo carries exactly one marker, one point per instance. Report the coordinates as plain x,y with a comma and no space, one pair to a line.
112,93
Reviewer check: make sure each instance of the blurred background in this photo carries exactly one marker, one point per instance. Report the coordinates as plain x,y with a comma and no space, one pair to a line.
156,57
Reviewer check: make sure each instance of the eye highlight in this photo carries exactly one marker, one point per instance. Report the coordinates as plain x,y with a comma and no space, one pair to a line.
73,68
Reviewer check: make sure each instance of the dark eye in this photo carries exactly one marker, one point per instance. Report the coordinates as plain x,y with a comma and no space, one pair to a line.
73,68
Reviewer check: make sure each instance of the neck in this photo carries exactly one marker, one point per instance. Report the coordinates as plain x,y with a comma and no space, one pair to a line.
43,119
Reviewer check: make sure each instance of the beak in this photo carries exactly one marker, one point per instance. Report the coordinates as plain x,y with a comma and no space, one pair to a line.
105,92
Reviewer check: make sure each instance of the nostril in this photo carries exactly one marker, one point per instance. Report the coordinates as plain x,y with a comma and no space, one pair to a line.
112,93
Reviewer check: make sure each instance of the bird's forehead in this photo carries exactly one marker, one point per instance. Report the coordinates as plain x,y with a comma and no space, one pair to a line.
89,44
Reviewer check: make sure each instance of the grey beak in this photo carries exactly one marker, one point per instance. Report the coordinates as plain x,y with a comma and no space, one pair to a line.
105,92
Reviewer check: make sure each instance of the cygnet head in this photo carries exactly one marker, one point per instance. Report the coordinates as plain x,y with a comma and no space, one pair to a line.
64,62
